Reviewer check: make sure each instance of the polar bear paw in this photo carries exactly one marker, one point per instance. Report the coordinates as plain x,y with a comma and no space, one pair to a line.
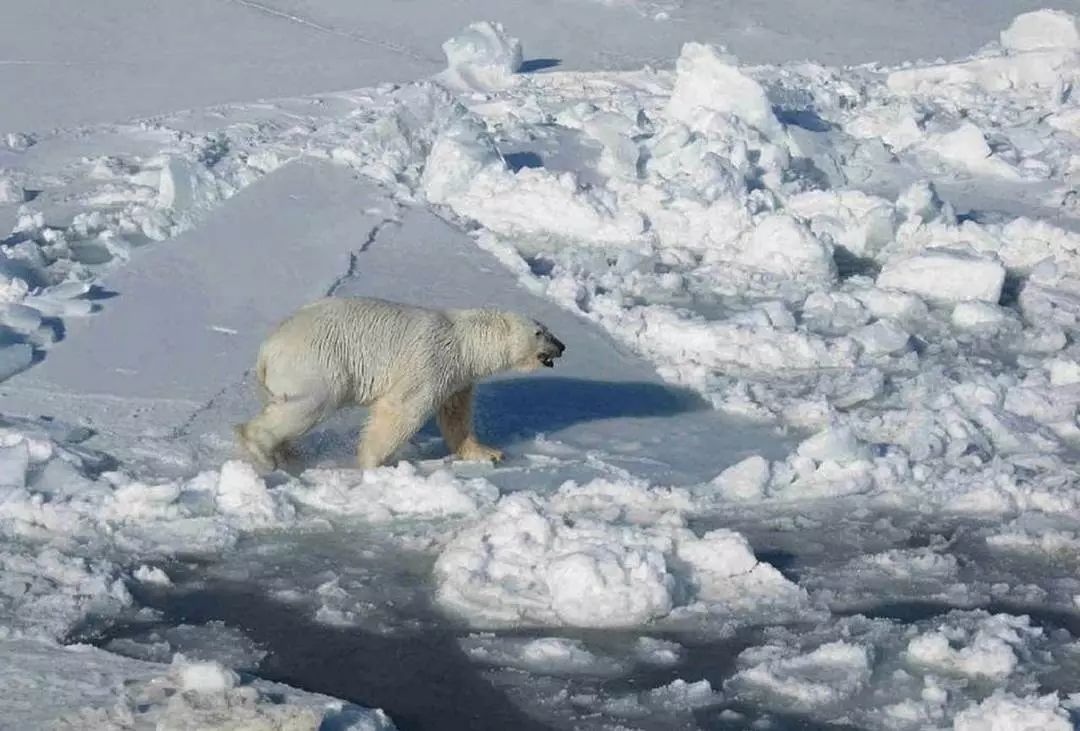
477,452
262,461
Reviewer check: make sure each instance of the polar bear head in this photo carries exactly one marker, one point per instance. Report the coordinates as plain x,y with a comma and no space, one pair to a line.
495,340
532,345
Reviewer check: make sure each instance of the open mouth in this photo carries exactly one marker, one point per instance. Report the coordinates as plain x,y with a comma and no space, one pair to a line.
547,359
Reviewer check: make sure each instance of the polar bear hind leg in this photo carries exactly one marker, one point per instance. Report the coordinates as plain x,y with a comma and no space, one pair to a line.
455,423
265,438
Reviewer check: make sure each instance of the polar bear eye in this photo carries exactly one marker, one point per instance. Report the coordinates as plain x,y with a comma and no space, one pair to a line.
538,333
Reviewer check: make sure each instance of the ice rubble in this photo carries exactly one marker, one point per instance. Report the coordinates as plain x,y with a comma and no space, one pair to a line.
881,674
1004,712
945,275
545,655
558,564
707,83
1042,30
483,56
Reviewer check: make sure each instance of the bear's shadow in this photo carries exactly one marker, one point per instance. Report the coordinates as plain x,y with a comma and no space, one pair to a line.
511,410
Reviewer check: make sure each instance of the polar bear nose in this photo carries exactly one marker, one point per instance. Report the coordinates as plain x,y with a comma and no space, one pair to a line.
559,347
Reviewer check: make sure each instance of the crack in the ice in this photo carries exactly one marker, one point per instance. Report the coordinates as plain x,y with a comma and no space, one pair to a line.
300,20
354,257
184,429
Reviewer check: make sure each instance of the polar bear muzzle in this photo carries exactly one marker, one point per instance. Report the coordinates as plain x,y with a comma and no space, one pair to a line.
550,349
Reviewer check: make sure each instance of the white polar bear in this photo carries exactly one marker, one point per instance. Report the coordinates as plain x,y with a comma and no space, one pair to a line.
404,362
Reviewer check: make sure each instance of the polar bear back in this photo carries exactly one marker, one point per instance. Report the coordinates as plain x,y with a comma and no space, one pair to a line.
359,349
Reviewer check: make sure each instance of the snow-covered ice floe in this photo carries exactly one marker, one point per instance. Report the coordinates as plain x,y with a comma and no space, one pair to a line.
82,687
884,263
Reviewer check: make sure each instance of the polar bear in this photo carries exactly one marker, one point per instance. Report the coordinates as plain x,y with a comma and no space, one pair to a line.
405,362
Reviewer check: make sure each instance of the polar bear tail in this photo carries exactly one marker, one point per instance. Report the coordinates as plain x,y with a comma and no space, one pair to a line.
260,380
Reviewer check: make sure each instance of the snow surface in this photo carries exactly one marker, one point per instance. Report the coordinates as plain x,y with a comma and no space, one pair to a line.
810,456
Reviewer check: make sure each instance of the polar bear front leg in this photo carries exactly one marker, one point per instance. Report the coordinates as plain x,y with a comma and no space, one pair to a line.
455,423
391,421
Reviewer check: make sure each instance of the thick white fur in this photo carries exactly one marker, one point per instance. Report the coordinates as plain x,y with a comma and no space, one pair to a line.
404,362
